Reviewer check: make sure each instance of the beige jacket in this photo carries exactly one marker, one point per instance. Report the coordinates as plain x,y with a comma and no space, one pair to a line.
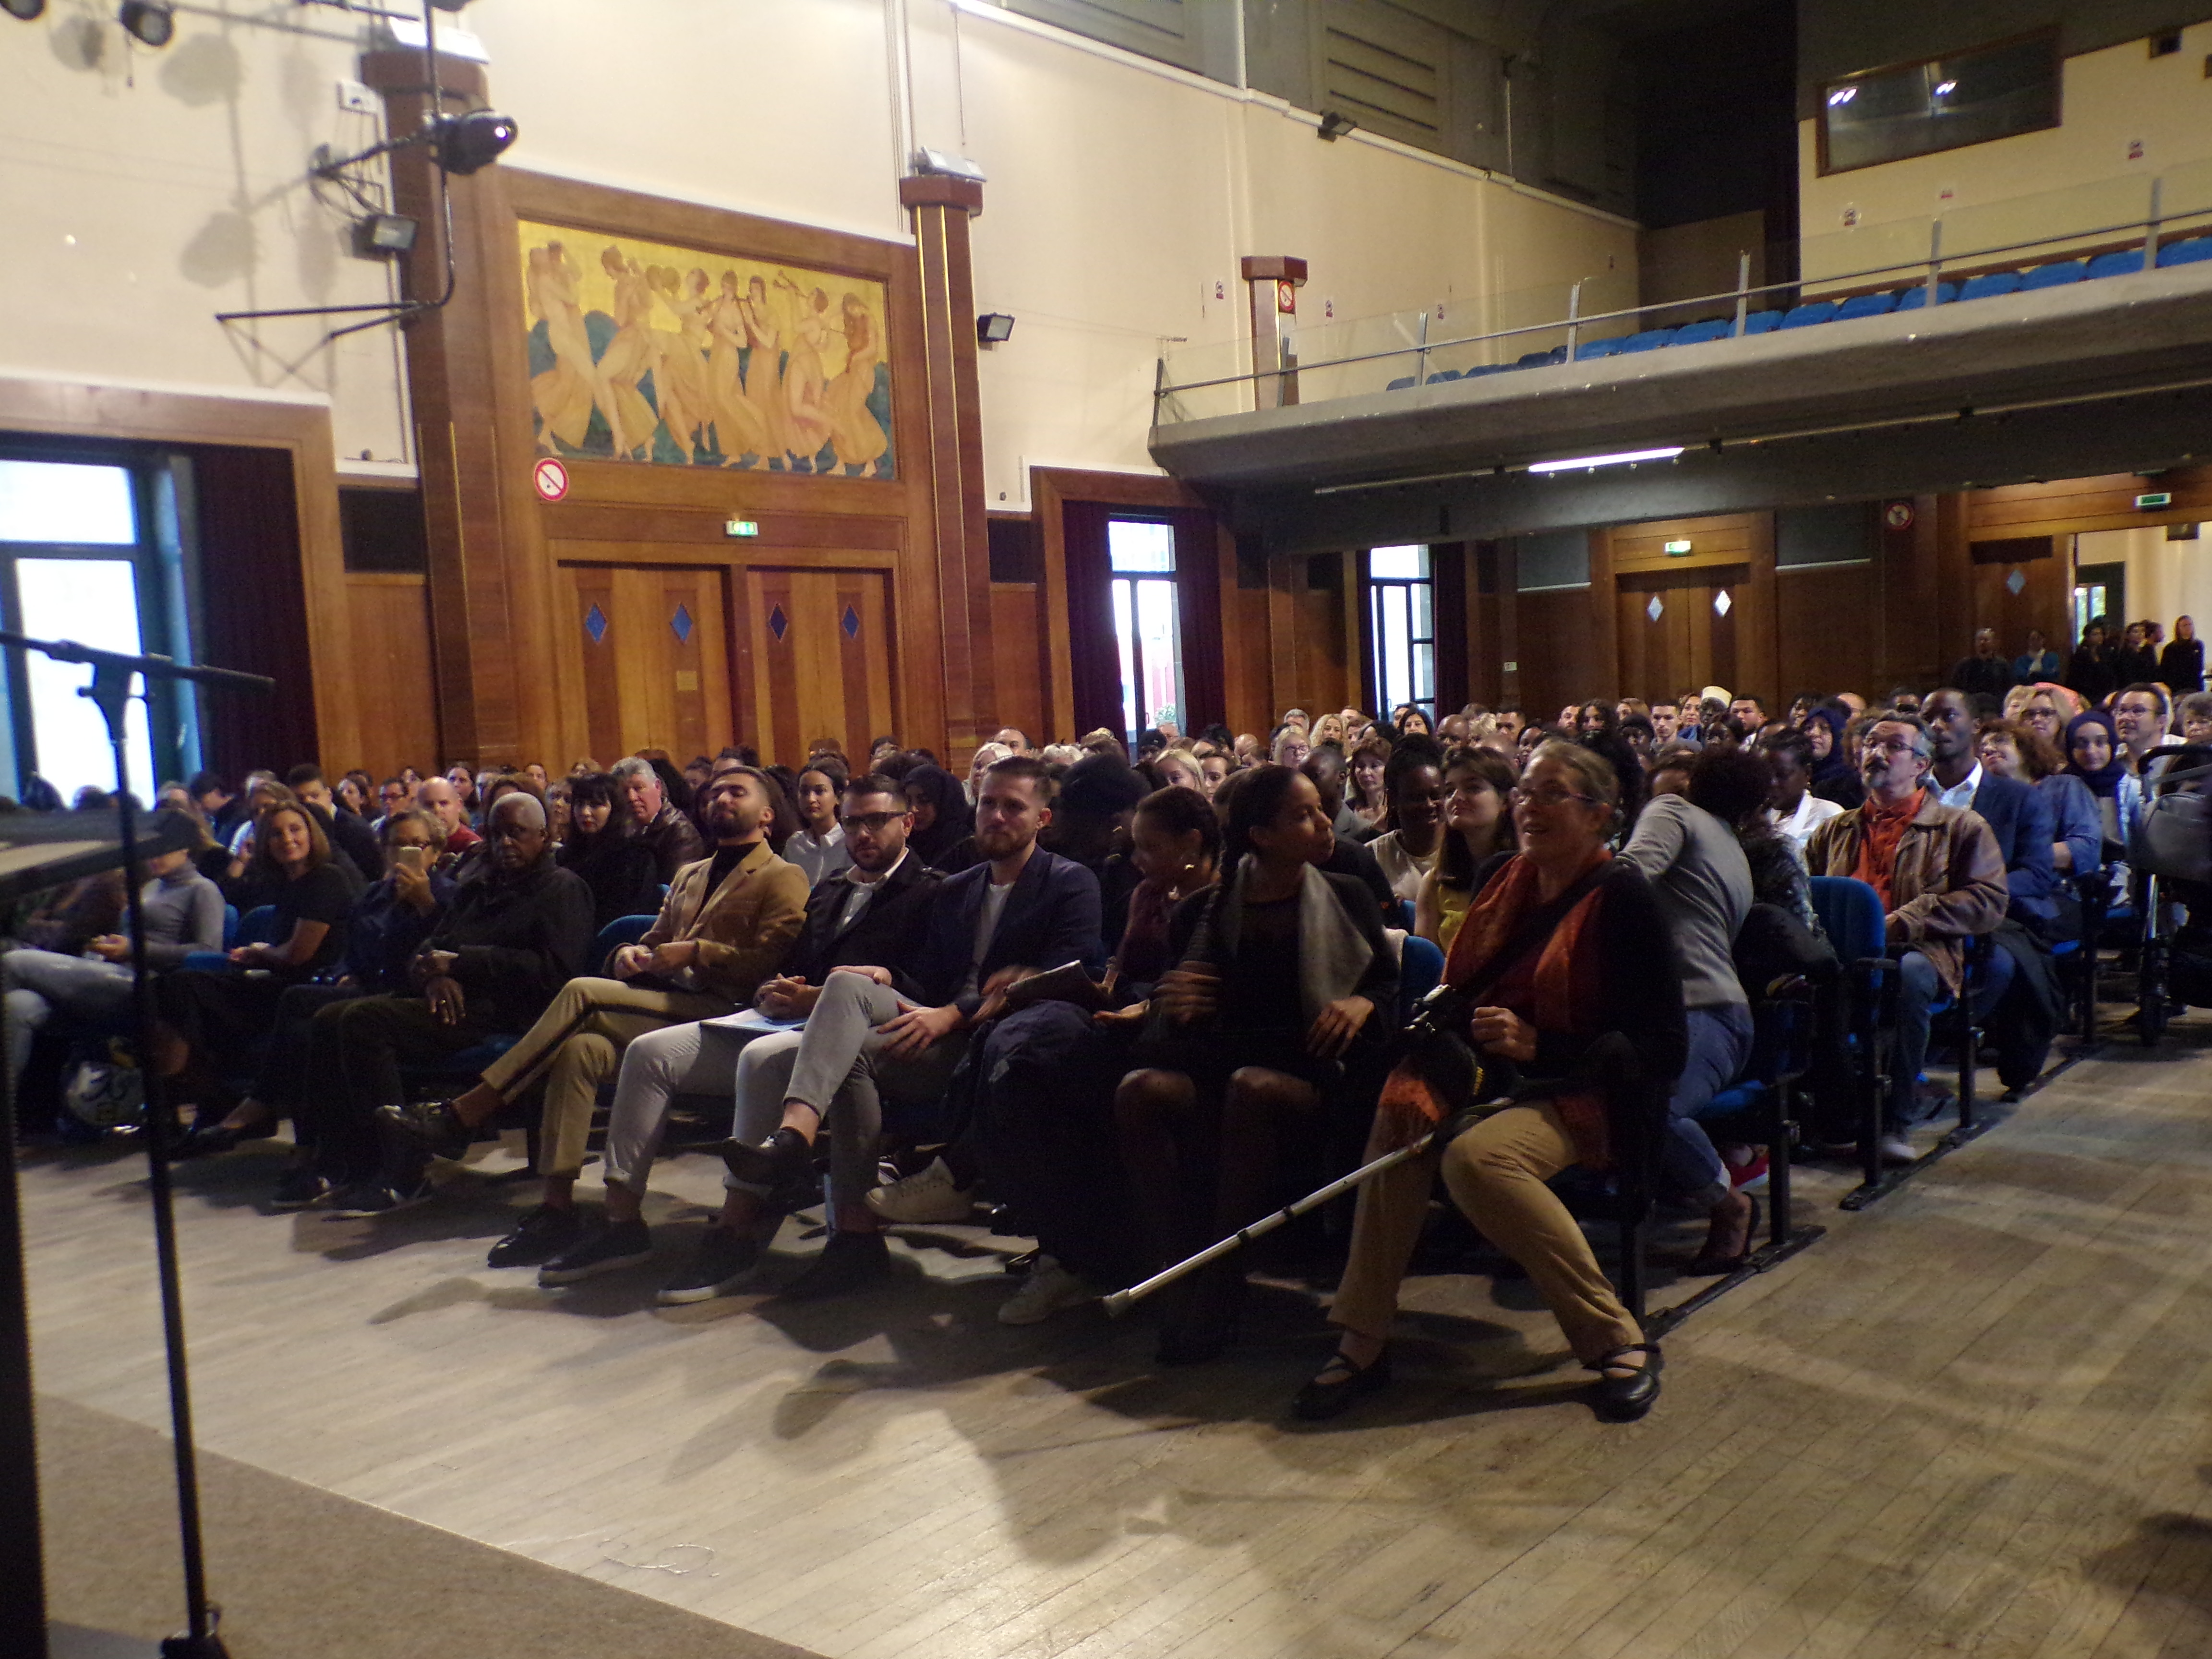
744,927
1948,883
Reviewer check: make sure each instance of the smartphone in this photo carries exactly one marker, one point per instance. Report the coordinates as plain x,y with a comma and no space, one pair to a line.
411,857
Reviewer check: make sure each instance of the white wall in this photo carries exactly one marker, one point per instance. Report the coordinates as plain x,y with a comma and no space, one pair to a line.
1120,194
146,191
2166,579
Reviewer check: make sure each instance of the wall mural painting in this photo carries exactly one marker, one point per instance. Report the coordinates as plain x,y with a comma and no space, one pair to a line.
641,352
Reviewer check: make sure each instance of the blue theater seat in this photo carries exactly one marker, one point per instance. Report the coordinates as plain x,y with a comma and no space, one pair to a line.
1597,348
1400,384
1538,359
1990,285
1717,328
2058,275
2187,252
1811,313
1444,374
1916,297
2125,262
1649,339
1762,322
1867,305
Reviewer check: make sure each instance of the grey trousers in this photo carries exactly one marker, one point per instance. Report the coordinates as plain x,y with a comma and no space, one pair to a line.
839,1068
697,1059
36,983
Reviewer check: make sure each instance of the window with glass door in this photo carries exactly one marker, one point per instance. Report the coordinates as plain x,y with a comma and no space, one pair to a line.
1147,628
84,557
1401,628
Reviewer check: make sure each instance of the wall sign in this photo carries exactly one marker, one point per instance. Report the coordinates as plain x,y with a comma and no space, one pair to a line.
550,478
1898,515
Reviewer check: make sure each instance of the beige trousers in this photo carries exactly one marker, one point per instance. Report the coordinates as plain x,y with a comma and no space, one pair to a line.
1495,1173
576,1045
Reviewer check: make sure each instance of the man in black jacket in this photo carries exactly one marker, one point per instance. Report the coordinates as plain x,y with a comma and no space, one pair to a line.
517,929
874,912
675,840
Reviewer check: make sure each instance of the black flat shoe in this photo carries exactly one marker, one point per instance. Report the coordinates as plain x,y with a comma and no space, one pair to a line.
1624,1399
1705,1265
213,1139
1340,1386
781,1162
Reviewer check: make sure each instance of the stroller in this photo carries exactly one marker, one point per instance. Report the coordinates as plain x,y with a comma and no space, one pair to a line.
2170,855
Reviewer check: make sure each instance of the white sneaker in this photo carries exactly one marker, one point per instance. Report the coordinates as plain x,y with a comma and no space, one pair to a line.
1896,1149
1048,1288
929,1195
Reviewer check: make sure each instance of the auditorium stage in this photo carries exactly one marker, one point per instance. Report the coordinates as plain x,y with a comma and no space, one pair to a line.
1976,1419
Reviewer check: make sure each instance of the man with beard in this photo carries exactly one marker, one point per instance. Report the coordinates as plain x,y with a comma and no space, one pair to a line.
726,926
1942,881
1021,910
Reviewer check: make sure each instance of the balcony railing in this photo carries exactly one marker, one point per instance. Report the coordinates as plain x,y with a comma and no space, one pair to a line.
1561,322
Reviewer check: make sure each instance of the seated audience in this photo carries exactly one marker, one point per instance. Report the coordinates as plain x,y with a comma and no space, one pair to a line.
1942,882
2009,750
1834,777
1985,673
1414,782
439,798
606,849
1792,807
183,913
1735,788
943,819
725,927
1478,826
1701,880
1179,767
2094,757
817,845
875,910
211,1020
1023,910
348,833
2018,815
1271,1027
1368,798
666,827
1565,962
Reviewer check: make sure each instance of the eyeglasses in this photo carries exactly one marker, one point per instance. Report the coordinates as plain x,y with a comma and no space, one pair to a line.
875,822
1552,796
1894,746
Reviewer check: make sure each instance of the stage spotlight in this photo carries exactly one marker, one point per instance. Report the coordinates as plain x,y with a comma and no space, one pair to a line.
153,22
463,143
1335,123
382,234
993,328
26,9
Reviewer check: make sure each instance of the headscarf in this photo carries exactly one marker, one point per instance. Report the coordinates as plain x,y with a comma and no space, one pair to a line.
955,819
2105,782
1836,764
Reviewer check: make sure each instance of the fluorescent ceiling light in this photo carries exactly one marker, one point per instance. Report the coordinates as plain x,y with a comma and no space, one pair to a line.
1624,458
1841,95
1945,88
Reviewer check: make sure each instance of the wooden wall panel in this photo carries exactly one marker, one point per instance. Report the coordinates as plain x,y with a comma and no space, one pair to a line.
1247,671
650,660
2065,506
1824,618
2043,600
1690,642
1557,650
1021,679
391,623
820,650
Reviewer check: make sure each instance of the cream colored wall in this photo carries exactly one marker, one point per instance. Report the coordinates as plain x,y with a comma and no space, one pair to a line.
2110,102
150,190
2166,579
146,191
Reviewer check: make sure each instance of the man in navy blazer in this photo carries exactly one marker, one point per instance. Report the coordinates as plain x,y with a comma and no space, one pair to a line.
1021,909
2018,814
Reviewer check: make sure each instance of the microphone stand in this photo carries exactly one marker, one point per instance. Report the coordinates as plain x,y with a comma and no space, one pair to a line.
110,692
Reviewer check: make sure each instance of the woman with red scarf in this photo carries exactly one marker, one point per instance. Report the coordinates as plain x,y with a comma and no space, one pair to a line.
1573,981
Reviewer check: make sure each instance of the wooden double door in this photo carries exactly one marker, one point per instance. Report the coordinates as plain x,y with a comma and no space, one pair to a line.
1676,629
690,658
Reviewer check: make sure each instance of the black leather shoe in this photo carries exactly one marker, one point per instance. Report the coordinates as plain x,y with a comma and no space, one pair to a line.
1340,1386
541,1234
849,1262
1706,1264
211,1139
781,1162
1624,1399
432,1125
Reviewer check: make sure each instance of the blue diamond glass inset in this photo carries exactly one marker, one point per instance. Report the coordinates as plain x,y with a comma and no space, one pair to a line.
851,623
778,624
595,623
682,623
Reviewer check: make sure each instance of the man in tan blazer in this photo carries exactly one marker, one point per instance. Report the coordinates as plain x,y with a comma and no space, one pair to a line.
726,926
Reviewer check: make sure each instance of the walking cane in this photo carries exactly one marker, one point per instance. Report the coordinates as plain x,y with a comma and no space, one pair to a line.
1122,1301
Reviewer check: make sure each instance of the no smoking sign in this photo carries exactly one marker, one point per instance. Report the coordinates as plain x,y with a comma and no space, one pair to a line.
551,479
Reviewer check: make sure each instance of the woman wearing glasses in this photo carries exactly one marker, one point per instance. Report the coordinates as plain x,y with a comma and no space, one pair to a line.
1577,994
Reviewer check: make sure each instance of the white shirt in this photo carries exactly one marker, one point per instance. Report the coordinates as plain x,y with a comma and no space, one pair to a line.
987,925
1812,812
819,856
1400,868
864,887
1961,794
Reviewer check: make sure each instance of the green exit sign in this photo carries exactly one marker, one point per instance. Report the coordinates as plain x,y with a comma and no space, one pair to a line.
2156,498
741,527
1678,549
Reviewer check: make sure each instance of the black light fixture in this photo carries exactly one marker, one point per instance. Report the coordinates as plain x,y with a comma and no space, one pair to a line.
993,328
464,144
152,22
1335,123
25,9
382,236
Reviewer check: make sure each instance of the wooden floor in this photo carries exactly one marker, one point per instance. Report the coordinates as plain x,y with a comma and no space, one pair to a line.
1976,1419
